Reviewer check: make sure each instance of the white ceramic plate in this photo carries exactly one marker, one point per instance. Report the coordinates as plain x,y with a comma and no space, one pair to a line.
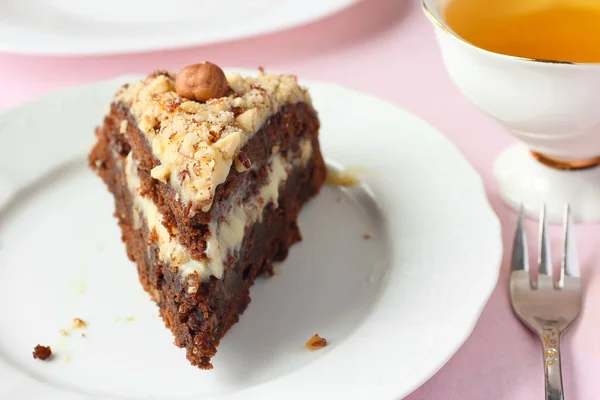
74,27
394,307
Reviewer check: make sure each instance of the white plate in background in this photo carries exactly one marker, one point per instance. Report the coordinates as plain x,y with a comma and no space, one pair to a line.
394,307
75,27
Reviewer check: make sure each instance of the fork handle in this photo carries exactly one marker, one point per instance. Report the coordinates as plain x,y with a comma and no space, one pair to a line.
551,341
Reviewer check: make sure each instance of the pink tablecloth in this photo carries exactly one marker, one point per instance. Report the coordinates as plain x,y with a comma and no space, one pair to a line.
387,48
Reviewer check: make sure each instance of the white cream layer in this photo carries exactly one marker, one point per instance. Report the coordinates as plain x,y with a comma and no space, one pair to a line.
225,237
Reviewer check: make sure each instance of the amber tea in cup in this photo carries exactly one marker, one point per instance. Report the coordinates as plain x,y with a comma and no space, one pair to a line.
561,30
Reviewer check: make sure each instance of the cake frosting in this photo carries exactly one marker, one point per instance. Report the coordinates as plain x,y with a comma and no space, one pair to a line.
197,143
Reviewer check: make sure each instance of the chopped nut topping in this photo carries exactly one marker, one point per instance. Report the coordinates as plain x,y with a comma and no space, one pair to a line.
192,289
242,162
191,107
161,173
204,138
248,120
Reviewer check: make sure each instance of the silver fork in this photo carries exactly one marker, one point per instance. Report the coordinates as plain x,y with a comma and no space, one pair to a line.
546,307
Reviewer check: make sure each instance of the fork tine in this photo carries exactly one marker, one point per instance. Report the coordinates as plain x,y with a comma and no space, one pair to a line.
520,258
570,260
545,259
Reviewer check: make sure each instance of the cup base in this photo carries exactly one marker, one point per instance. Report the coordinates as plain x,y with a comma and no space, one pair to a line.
522,180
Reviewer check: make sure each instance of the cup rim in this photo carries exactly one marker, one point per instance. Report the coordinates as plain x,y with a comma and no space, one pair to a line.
446,29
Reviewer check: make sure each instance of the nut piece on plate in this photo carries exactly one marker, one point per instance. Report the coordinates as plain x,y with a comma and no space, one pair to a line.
42,352
78,323
201,82
316,342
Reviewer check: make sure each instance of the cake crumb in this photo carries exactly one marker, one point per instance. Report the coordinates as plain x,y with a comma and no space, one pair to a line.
64,332
78,323
83,335
117,319
68,359
341,178
367,235
129,319
316,342
42,352
80,288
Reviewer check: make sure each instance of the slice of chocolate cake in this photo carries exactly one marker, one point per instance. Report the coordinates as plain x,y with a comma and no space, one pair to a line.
209,173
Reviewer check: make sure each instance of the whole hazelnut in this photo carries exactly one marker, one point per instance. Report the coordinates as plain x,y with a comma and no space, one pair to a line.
201,82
